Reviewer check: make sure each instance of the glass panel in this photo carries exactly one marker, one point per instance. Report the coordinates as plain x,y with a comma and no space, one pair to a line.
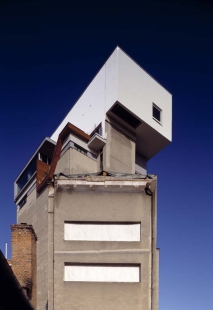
27,174
156,113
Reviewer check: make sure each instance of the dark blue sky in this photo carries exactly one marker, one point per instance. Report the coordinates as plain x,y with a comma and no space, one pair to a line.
50,51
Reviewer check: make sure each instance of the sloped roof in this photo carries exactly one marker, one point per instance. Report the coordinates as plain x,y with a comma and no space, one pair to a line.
12,295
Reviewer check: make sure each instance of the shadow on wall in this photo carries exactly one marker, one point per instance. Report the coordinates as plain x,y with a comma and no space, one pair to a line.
28,287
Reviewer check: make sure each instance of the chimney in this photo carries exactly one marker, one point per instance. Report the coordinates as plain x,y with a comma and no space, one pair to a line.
24,258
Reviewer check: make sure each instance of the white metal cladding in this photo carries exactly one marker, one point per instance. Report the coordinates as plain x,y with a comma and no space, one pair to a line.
97,273
102,232
120,79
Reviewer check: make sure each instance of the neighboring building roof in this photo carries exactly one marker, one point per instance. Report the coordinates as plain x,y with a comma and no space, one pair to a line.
12,295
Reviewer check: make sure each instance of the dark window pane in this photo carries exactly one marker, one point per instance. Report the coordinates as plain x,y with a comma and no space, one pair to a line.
98,130
156,113
80,149
23,201
27,174
43,158
126,116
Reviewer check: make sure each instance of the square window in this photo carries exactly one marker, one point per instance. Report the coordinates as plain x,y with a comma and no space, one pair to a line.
156,113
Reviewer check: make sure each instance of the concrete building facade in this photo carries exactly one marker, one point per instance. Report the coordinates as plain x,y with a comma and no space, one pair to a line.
88,196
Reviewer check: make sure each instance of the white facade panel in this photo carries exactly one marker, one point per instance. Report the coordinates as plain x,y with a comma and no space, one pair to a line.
89,111
137,91
124,81
111,80
102,232
90,273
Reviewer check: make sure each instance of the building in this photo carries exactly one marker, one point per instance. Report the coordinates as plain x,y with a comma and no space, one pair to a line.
12,295
88,196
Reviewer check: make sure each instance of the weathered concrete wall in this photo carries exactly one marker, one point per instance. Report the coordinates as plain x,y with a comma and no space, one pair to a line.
140,164
110,203
99,295
105,204
155,287
34,212
119,151
50,248
73,162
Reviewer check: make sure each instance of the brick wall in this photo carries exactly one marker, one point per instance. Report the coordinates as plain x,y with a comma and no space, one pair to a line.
24,258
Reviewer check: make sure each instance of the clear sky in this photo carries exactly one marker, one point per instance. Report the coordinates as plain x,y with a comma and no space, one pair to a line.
50,51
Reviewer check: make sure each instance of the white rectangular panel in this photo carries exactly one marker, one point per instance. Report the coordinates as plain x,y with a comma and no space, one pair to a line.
96,273
102,232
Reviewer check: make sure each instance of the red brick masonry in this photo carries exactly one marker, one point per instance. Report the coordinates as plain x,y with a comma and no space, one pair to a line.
24,258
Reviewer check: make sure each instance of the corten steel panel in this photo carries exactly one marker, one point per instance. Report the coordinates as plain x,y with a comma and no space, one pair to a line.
42,170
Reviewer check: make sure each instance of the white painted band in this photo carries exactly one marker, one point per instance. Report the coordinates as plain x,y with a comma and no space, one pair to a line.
102,232
102,273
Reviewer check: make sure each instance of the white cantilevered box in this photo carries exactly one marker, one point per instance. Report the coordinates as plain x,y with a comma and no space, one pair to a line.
124,91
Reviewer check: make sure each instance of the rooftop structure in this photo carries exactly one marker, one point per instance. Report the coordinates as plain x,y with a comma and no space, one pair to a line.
124,92
121,94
